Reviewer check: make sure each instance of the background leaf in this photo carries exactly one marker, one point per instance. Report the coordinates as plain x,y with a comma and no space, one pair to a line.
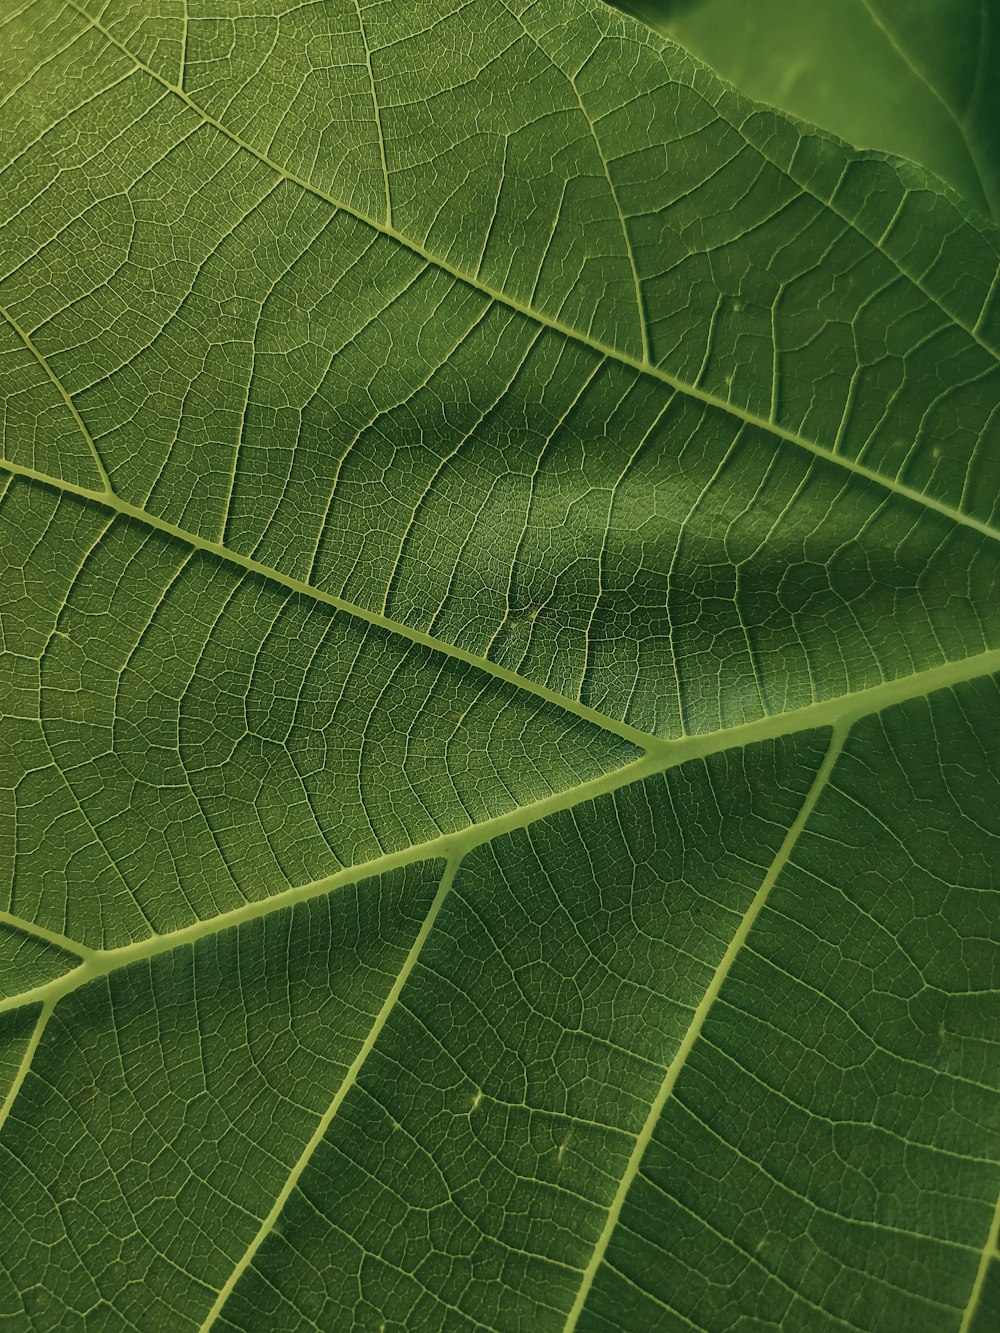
499,797
914,77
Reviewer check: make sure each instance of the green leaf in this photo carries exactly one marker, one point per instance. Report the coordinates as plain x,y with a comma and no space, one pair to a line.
919,78
500,609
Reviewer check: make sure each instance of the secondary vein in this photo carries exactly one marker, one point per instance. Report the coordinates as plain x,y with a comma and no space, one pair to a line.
642,739
673,1070
348,1082
990,1254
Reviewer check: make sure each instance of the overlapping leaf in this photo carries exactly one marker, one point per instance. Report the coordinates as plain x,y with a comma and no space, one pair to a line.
912,77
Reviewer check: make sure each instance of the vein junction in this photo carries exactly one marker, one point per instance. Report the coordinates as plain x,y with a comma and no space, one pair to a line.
660,756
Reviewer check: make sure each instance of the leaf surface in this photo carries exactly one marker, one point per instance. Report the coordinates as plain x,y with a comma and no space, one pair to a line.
500,599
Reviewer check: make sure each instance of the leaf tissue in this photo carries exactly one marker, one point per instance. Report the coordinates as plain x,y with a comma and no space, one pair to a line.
499,728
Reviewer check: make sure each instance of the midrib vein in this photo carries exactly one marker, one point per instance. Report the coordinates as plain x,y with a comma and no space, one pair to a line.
839,714
449,846
638,364
673,1070
348,1082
